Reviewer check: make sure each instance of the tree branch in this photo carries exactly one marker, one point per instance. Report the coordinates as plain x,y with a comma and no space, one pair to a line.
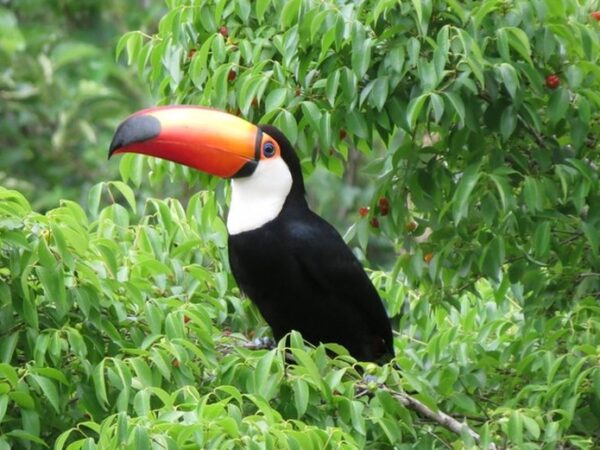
445,420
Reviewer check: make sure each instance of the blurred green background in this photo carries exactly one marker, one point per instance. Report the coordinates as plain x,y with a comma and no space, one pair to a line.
62,94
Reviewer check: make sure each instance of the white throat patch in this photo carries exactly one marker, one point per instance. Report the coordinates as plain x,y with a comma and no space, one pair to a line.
257,199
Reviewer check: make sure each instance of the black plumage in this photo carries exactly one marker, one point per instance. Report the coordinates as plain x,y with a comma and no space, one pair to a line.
302,276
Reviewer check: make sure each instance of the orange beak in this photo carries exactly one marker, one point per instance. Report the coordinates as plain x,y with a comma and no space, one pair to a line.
205,139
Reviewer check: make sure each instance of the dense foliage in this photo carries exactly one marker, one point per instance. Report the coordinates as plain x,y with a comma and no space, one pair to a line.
479,123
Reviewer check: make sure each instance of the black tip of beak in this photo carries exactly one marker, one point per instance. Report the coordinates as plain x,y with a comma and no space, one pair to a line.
132,130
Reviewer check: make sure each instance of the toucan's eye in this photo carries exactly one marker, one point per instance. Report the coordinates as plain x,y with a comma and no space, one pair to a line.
268,149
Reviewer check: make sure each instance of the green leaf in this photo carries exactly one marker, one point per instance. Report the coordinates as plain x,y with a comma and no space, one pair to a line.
127,193
357,125
325,131
22,399
243,9
3,406
379,92
414,109
461,198
262,380
541,239
50,372
100,384
261,7
45,256
131,167
361,52
141,402
275,99
62,439
123,42
519,41
141,439
504,189
592,235
24,435
532,426
11,38
515,427
94,198
493,258
437,106
509,78
247,93
219,51
133,45
532,192
508,122
311,113
305,361
287,123
316,24
331,88
596,383
219,7
301,396
48,389
9,373
290,12
77,343
484,9
457,104
558,105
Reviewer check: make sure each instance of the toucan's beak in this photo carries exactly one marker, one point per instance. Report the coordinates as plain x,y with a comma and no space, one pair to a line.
205,139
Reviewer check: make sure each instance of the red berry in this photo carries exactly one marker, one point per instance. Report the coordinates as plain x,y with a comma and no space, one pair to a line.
374,222
596,15
232,75
384,206
552,81
363,211
224,31
427,257
411,226
343,134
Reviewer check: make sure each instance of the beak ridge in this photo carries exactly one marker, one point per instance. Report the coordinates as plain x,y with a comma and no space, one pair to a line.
134,130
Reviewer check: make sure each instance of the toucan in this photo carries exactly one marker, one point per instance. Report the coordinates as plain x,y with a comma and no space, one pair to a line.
289,261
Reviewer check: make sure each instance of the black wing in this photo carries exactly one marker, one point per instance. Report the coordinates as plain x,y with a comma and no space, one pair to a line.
326,259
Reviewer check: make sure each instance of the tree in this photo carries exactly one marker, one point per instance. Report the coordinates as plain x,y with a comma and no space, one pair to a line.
479,122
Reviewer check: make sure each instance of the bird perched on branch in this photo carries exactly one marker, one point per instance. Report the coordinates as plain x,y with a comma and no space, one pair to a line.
289,261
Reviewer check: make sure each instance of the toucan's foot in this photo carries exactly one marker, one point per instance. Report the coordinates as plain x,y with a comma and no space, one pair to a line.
369,379
261,343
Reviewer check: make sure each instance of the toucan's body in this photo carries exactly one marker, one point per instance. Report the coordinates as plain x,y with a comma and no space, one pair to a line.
289,261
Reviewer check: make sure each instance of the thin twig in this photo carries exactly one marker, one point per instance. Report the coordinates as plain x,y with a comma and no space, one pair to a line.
440,417
538,137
